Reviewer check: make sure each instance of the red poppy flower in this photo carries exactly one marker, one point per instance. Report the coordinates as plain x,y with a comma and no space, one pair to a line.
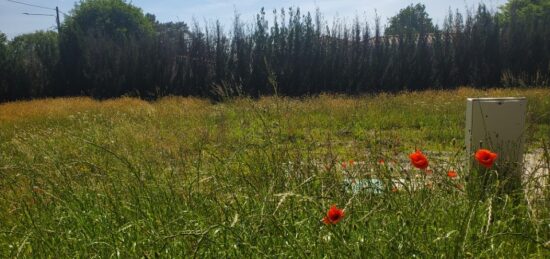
452,174
381,161
350,163
485,157
334,215
419,160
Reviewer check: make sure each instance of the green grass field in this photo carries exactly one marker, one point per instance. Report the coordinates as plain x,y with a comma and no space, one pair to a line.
254,178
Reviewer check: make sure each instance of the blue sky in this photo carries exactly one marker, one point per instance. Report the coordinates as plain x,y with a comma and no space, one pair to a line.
13,22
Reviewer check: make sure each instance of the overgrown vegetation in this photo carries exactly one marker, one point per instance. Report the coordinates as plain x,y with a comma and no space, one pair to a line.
182,177
109,48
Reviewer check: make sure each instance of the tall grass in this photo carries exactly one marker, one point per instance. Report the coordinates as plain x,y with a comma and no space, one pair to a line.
185,177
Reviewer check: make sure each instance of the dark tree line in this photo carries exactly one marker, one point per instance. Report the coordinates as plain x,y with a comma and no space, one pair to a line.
109,48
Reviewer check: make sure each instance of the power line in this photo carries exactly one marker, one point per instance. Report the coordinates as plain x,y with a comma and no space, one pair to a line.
56,9
38,14
37,6
33,5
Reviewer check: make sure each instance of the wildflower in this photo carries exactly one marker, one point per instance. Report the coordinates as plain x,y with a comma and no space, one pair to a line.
419,160
381,161
485,157
394,189
452,174
350,163
334,215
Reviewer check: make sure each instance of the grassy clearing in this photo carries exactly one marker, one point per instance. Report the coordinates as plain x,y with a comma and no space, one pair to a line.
183,177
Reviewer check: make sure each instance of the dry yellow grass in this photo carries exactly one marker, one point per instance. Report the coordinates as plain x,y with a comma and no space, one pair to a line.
58,107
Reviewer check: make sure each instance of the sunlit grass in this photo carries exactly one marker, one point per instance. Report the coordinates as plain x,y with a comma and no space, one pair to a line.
183,177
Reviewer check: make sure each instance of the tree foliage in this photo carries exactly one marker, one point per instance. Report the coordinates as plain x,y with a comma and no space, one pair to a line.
524,10
109,48
525,38
3,67
103,45
412,19
30,65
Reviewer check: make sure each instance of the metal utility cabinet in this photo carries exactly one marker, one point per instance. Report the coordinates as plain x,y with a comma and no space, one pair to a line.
497,124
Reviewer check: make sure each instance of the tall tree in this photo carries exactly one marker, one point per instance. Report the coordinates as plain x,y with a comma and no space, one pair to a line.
484,46
412,19
525,42
110,49
102,45
34,59
4,65
168,55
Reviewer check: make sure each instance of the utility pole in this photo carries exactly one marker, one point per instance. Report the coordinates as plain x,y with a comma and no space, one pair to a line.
57,20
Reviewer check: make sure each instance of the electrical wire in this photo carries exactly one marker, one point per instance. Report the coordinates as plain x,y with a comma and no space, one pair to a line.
38,14
37,6
33,5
